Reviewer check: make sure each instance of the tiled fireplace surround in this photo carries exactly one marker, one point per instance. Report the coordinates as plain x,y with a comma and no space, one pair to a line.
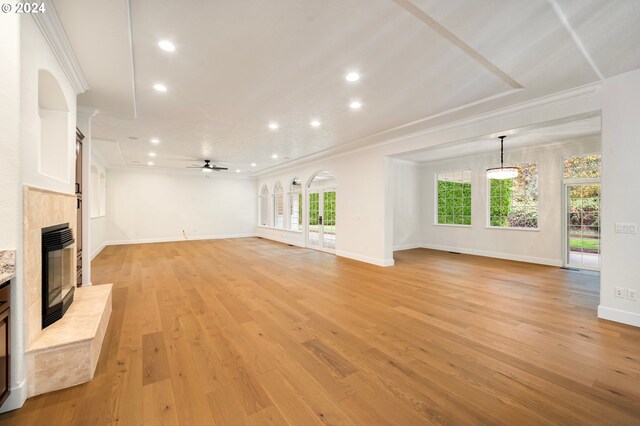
65,353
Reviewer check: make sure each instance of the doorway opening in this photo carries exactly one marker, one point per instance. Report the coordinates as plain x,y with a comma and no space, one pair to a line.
582,212
321,212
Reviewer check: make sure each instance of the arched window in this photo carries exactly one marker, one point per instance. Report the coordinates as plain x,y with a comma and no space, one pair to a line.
264,205
295,205
278,206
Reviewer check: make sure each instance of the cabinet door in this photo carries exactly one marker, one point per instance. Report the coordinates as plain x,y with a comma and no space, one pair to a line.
4,355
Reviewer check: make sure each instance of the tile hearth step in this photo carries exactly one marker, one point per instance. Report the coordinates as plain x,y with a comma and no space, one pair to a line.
66,353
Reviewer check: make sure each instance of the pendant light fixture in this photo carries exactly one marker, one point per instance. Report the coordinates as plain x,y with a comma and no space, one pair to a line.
502,172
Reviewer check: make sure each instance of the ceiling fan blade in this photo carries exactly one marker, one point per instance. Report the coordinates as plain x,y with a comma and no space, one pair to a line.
219,168
194,167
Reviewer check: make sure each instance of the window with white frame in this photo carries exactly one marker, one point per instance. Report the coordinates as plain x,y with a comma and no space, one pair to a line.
295,205
453,197
278,206
513,203
264,206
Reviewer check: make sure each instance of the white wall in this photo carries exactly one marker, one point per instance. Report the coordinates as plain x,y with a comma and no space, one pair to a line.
620,195
11,194
407,205
9,130
98,223
154,205
539,246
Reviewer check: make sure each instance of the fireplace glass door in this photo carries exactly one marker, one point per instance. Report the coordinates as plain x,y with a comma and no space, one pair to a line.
61,277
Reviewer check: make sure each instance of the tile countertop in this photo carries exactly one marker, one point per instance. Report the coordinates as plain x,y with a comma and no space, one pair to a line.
7,265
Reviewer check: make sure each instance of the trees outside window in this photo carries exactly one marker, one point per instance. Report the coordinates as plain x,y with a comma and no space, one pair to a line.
582,167
453,201
513,203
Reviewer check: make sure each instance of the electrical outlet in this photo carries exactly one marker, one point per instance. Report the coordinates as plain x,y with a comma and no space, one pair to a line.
632,294
626,228
618,292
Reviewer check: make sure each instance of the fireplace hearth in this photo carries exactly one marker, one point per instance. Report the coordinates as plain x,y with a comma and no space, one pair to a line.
58,274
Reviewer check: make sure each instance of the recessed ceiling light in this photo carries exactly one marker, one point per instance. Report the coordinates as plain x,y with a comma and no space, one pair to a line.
355,105
160,87
167,46
253,164
315,123
274,156
273,125
152,154
150,163
352,76
237,170
154,141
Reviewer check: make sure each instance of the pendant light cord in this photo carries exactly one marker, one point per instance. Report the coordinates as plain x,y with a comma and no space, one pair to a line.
502,151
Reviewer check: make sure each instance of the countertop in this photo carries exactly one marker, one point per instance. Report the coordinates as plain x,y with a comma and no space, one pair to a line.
7,265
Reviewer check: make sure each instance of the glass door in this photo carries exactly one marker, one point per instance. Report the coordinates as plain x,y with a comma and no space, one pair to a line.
582,212
321,232
314,229
329,220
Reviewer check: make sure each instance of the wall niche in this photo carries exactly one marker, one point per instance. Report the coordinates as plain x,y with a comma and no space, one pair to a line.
54,128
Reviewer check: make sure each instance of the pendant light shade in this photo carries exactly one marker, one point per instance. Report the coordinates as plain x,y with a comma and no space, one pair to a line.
502,172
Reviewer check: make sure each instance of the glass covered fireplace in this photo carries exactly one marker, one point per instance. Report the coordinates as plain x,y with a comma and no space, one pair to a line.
58,275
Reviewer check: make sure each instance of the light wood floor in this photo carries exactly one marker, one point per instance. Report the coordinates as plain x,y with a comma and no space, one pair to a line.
249,331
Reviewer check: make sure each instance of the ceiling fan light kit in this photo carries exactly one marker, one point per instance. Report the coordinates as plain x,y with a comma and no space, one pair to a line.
208,167
502,172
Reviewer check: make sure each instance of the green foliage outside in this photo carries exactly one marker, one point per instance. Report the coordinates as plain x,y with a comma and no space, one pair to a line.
514,202
329,218
454,203
581,167
590,245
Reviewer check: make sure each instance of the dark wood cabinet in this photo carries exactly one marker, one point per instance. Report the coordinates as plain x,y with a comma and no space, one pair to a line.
5,340
79,188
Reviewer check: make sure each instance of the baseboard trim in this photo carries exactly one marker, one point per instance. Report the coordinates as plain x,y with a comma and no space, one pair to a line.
98,250
618,315
407,246
16,398
497,255
366,259
281,240
175,239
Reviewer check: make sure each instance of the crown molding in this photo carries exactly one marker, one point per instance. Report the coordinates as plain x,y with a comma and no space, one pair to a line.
53,32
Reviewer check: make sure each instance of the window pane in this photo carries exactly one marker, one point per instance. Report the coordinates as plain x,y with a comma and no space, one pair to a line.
453,200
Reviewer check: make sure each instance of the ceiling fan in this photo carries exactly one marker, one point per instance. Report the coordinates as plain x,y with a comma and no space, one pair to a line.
208,168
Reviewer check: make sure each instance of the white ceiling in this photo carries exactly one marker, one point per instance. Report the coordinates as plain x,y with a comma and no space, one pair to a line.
560,132
241,64
99,34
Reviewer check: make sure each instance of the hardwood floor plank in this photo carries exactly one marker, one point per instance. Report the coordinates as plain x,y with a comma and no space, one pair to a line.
155,365
159,406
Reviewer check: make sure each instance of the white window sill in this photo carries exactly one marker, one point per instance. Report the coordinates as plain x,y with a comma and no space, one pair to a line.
506,228
455,225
